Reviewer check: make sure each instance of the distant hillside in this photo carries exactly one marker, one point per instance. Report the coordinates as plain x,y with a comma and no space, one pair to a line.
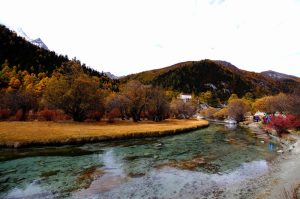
278,76
22,57
25,56
220,77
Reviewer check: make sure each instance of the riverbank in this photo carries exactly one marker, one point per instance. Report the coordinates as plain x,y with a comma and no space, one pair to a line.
27,134
281,181
266,134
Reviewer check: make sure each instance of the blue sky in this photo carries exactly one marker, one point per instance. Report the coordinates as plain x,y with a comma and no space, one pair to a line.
134,35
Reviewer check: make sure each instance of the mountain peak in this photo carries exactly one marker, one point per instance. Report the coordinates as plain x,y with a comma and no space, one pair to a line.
38,42
110,75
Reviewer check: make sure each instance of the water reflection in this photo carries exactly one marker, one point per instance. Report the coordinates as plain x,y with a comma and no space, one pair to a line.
32,190
111,163
111,177
271,146
231,126
176,183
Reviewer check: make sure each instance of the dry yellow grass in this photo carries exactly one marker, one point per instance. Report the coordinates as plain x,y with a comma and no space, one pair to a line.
16,134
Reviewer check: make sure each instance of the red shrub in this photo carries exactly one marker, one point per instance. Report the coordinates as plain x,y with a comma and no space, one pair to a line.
143,114
95,115
4,114
48,115
52,115
115,112
31,115
19,115
282,123
60,115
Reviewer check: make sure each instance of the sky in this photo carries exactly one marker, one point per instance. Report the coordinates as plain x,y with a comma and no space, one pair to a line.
129,36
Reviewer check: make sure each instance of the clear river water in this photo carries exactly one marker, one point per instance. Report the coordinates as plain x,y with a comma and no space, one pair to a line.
214,162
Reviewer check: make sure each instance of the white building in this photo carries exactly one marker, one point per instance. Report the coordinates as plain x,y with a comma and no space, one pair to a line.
185,97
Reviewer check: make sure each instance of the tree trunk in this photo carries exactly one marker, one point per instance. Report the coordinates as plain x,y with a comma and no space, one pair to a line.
78,117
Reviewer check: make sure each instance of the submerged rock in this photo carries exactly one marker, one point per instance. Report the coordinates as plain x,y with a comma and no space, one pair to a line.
106,183
5,180
158,145
135,175
191,164
212,168
49,173
135,157
88,175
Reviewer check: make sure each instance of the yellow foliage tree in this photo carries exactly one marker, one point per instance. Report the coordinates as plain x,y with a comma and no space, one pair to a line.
221,114
14,83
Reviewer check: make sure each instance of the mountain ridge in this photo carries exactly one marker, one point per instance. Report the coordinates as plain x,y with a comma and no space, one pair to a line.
218,76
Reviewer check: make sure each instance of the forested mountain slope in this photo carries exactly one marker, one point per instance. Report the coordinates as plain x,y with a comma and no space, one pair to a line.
220,77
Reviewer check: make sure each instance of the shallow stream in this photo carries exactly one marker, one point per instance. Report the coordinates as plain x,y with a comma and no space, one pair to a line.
214,162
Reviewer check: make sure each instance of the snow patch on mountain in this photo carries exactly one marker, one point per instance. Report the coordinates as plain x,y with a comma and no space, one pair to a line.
38,42
277,75
211,86
110,75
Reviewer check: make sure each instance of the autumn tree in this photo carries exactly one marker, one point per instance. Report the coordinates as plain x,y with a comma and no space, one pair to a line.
112,114
75,93
294,100
118,101
135,92
157,104
237,109
3,80
248,96
22,101
263,104
209,112
233,97
281,103
221,114
181,109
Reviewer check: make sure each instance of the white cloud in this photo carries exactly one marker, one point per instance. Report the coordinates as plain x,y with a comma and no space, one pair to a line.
135,35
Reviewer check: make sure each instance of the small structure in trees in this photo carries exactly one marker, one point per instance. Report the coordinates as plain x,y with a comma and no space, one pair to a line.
185,97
